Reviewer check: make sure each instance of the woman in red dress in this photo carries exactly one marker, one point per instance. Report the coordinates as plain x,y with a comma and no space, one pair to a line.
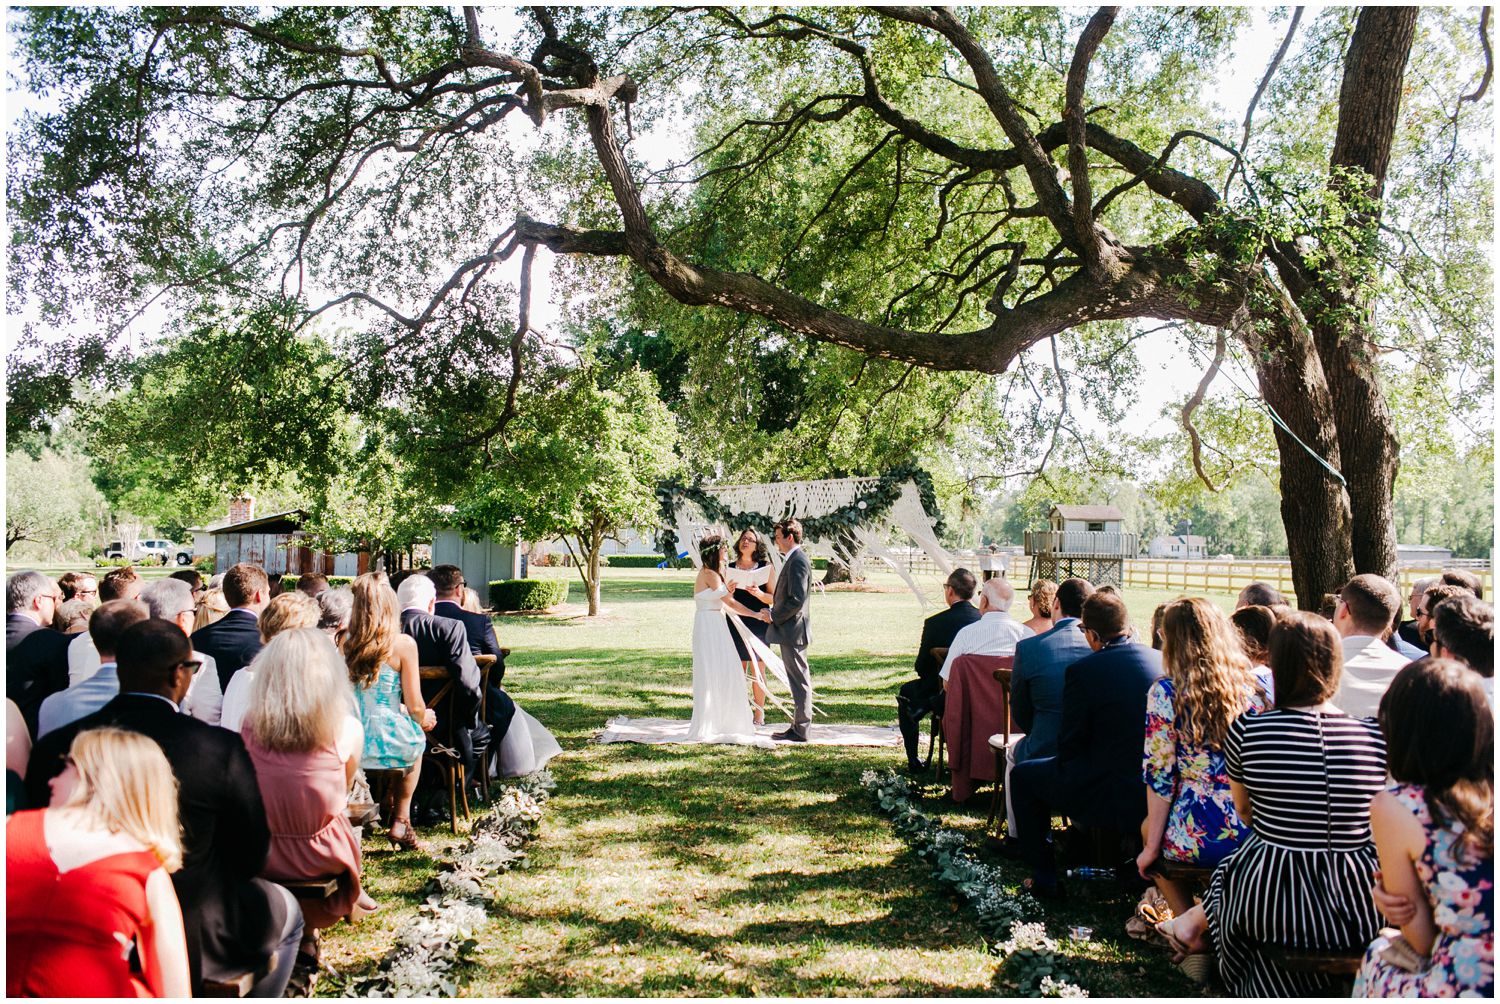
88,878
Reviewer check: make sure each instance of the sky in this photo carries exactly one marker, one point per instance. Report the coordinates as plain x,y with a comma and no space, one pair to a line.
1171,372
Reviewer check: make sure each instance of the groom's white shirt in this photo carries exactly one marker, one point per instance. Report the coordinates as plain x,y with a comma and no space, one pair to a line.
996,633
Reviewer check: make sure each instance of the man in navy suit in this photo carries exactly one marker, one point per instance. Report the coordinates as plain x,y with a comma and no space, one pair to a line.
1036,688
448,580
925,694
1095,778
443,642
36,657
234,639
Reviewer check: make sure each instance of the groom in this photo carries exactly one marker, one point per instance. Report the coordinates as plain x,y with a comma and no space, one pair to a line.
788,624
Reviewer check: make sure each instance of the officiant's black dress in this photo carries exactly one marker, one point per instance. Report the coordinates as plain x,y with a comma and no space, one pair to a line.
749,602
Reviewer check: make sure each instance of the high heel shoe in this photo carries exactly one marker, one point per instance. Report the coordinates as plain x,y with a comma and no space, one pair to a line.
760,716
408,838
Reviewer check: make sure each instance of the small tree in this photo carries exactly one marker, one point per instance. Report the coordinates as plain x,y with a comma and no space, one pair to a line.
46,498
585,460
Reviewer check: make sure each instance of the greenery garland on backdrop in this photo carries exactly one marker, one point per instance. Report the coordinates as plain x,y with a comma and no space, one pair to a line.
869,507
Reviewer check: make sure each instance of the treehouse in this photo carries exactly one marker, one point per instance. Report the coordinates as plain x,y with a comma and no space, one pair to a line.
1082,541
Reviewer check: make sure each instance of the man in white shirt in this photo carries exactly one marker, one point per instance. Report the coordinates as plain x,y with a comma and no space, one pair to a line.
1367,606
83,656
995,633
106,625
172,600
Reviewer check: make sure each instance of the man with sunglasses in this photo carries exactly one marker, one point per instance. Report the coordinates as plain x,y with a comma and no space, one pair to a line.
106,625
234,920
36,657
173,600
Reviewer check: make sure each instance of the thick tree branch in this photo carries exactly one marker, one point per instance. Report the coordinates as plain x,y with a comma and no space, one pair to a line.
1099,257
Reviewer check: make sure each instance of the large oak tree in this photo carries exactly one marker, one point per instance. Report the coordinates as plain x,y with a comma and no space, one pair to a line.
932,190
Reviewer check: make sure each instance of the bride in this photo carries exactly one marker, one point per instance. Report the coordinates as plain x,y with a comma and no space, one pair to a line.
721,711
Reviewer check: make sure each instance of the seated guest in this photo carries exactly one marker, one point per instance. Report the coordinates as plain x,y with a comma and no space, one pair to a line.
925,694
79,586
1043,604
471,601
1259,594
91,875
17,751
334,608
1435,594
1435,835
1252,626
305,743
1463,628
1464,580
1302,775
1208,683
234,639
288,612
384,668
444,642
105,627
72,616
1394,641
448,585
36,657
1408,629
1036,688
212,606
995,633
1367,606
118,584
234,920
312,583
193,578
1095,776
171,599
1156,616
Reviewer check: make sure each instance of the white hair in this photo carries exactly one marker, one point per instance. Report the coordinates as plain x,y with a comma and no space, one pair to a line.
166,598
994,591
416,591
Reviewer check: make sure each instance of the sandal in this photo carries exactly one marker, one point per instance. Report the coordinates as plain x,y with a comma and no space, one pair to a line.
408,839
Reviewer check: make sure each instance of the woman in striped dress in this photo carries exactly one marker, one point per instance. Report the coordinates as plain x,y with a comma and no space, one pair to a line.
1302,775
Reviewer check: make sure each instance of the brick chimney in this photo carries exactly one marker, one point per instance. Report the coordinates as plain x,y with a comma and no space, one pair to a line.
241,508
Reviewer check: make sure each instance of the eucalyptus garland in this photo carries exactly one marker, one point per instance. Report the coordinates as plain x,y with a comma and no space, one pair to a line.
869,507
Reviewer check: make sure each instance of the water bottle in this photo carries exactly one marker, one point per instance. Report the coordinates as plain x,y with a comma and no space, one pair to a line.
1092,874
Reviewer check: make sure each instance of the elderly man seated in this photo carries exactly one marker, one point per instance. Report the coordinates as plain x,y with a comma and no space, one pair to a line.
995,633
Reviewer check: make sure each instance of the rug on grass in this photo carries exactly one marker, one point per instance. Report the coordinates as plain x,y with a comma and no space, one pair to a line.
674,730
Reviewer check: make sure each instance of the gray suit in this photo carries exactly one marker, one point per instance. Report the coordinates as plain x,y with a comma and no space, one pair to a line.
788,627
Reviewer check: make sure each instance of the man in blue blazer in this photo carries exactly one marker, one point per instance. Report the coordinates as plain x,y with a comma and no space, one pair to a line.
448,580
1036,687
234,639
1095,778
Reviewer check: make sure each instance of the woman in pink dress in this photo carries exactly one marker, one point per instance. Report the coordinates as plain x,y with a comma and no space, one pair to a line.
301,734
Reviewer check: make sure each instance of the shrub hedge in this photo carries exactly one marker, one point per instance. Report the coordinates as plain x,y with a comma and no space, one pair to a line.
528,594
334,581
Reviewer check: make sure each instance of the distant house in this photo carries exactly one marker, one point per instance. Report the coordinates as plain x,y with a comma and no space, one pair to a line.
1425,555
278,544
1082,540
241,508
1185,546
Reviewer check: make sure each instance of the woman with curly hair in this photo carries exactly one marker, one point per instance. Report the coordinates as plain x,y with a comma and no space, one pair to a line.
1207,684
1435,835
1043,603
383,666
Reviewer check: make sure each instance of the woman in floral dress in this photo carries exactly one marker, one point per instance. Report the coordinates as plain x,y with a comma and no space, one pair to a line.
1208,683
1434,831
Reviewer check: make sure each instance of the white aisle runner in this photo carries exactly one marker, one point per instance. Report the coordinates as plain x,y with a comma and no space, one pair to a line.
673,730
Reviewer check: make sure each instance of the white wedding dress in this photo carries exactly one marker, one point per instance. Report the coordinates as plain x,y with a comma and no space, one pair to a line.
721,707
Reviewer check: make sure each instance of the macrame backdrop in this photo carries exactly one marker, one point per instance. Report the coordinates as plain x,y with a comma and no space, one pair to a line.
805,499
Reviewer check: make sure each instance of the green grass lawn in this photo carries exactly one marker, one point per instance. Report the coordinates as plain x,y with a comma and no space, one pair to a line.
721,870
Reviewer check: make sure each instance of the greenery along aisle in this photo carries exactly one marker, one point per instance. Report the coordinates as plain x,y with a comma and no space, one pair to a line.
699,870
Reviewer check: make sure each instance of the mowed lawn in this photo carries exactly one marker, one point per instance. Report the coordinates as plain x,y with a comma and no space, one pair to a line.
721,870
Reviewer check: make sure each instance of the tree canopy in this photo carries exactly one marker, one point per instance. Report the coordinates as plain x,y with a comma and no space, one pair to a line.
892,204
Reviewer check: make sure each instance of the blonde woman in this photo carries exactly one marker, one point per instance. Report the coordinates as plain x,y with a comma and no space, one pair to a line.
1043,603
287,612
471,601
382,663
211,607
298,734
89,877
1207,684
